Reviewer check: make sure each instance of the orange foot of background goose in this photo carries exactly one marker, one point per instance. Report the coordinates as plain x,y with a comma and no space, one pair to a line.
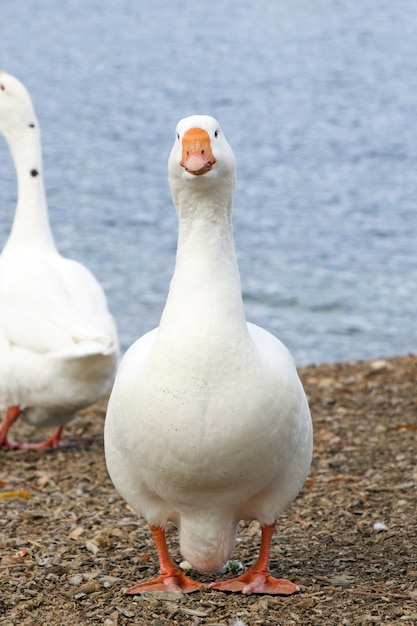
54,441
12,413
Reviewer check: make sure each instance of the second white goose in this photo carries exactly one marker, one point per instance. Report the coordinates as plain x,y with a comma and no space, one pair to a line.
58,341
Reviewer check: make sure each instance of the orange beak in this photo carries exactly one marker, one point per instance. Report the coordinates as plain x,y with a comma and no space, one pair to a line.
197,157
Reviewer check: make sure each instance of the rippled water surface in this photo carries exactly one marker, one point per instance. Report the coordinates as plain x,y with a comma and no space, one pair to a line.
318,100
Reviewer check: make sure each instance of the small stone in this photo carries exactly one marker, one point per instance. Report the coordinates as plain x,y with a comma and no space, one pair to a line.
76,580
195,612
92,547
125,612
162,595
337,461
109,581
338,581
85,589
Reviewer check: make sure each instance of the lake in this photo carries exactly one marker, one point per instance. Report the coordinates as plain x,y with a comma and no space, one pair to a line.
319,102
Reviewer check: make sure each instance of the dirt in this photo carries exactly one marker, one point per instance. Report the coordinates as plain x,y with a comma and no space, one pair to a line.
69,545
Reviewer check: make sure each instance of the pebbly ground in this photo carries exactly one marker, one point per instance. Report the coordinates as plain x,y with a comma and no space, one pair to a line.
69,545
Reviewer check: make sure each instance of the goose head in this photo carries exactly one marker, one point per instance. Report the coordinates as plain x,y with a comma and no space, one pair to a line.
201,159
16,108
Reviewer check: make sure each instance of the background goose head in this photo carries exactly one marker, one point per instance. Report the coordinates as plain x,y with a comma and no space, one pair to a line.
16,108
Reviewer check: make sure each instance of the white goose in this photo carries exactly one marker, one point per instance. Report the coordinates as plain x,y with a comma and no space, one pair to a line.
207,422
58,341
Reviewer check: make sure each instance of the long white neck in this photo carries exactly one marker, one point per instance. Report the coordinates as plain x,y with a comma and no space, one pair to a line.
205,300
31,222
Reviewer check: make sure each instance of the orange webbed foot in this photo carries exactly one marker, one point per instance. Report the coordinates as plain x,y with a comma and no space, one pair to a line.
54,442
171,577
8,444
258,578
257,582
175,580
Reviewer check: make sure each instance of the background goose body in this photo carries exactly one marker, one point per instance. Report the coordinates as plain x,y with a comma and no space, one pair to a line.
207,423
58,341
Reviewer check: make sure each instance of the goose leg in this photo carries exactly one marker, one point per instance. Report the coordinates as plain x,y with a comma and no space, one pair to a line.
12,413
258,579
171,577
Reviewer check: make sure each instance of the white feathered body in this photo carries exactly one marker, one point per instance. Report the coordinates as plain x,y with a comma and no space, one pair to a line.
59,350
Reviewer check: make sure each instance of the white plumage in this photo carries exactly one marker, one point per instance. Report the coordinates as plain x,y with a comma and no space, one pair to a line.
207,423
58,341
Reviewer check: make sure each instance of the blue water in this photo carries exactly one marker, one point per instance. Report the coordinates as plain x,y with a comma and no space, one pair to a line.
318,100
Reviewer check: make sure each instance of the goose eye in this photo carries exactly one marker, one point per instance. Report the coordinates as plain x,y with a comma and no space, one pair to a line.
178,136
2,87
216,133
